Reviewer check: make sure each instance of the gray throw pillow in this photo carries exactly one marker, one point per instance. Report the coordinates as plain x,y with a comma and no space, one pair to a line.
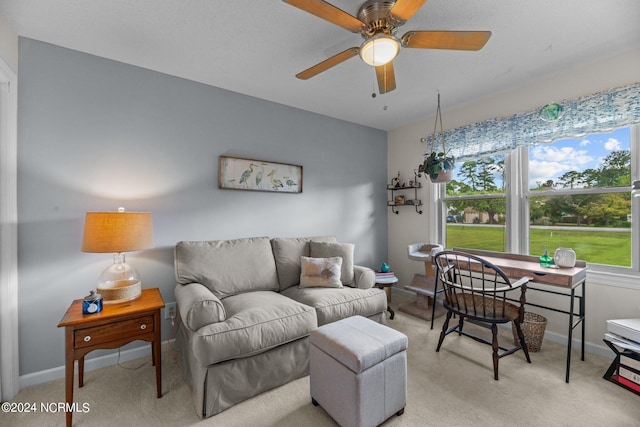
342,250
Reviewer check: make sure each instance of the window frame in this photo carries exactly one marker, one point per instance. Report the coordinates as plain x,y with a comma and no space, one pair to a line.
518,195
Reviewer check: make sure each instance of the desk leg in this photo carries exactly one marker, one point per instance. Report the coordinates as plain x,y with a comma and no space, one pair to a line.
69,368
81,372
157,353
583,313
582,320
570,339
156,345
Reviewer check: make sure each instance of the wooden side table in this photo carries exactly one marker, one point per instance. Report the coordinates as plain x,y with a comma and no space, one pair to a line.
385,283
113,327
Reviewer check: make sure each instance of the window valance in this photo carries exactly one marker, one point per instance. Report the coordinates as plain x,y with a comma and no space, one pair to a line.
600,112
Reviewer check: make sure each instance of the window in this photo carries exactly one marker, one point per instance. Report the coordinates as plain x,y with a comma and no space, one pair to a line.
569,193
475,205
579,197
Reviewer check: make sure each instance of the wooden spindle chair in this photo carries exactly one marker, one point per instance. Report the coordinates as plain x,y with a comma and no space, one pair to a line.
476,289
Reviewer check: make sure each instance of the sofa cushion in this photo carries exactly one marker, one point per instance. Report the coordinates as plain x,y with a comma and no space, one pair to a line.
287,253
336,304
227,267
320,272
343,250
256,322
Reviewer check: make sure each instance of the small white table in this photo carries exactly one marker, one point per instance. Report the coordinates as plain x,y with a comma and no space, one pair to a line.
385,283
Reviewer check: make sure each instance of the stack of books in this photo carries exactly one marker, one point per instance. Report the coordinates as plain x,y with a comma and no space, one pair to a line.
386,274
624,334
629,372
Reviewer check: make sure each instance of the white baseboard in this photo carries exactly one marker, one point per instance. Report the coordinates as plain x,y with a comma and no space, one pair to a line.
48,375
598,350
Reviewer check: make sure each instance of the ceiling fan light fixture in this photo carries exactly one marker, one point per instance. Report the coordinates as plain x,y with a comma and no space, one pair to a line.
379,49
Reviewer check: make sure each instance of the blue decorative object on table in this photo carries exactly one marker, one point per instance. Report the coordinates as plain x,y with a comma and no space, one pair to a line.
92,303
384,267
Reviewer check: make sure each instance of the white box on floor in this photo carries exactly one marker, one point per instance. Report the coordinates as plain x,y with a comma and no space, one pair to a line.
358,371
626,328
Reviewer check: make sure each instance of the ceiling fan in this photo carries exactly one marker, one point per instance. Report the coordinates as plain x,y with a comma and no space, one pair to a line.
378,22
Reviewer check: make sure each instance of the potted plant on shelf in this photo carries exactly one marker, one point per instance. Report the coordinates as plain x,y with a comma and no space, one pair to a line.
438,165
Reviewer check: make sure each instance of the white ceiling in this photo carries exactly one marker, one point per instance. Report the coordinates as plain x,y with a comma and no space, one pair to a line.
256,47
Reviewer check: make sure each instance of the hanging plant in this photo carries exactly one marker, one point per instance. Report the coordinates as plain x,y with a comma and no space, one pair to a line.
438,165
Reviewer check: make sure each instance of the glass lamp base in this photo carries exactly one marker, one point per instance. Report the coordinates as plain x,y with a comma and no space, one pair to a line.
120,282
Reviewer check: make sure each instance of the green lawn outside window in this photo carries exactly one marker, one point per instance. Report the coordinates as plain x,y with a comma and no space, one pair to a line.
593,246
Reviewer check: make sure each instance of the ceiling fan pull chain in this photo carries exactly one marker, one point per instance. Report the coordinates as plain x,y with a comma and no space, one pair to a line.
373,84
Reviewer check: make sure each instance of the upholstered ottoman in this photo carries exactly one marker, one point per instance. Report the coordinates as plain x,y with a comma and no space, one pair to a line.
358,371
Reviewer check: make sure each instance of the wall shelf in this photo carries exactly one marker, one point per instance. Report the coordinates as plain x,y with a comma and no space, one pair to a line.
399,192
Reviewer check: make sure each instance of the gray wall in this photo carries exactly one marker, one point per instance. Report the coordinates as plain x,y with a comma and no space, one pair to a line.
95,134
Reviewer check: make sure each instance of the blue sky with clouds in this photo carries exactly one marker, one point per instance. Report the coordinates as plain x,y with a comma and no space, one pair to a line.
549,161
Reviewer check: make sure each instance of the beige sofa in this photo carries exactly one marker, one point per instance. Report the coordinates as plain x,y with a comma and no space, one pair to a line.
246,317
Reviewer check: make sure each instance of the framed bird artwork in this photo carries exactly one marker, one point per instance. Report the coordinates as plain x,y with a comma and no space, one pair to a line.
235,173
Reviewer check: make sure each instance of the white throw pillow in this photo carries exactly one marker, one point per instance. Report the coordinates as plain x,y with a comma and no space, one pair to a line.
320,272
343,250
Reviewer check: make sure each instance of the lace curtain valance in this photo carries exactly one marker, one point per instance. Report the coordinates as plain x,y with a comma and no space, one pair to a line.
600,112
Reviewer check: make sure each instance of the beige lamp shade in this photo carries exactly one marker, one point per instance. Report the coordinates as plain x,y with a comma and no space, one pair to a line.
114,232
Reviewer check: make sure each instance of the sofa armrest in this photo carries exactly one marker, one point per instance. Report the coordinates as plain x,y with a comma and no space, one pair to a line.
198,306
363,277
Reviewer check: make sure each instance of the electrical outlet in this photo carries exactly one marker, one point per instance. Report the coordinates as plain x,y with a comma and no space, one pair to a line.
170,310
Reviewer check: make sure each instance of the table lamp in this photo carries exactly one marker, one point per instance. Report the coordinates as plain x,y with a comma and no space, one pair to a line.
118,232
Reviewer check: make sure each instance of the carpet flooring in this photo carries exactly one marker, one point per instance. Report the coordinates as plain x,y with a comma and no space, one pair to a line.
454,387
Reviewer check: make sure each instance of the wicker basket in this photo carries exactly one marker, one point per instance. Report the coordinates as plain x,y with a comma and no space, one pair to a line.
533,329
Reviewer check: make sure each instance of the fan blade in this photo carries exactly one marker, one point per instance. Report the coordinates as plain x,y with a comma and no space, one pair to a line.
328,63
456,40
404,9
386,77
328,12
